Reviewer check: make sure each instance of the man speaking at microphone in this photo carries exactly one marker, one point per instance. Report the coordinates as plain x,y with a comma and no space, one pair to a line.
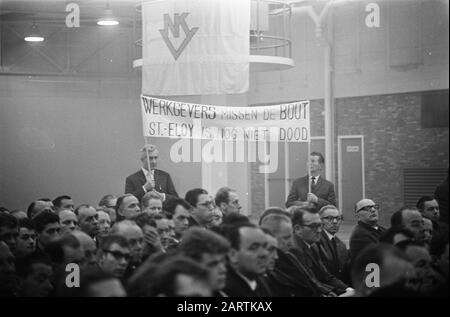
148,178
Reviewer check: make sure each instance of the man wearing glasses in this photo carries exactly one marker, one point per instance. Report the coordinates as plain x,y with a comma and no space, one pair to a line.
333,252
202,207
114,255
367,231
308,227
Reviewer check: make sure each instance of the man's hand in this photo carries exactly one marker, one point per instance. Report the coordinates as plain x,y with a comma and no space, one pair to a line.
149,186
312,198
152,237
349,292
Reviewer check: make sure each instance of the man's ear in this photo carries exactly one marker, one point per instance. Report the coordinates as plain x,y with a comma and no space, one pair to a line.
296,229
223,206
233,256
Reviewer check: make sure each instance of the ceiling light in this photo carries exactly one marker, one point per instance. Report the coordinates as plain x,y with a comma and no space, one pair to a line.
108,19
34,35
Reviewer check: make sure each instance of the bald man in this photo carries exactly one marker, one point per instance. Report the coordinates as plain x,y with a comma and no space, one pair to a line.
367,231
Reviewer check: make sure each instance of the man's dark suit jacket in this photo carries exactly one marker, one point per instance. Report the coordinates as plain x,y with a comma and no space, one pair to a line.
362,236
291,279
441,195
335,257
237,287
163,184
306,256
324,190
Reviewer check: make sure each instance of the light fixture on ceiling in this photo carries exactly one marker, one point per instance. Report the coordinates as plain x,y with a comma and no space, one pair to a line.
34,35
108,18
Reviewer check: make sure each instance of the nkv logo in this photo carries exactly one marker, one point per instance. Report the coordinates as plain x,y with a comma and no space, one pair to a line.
174,26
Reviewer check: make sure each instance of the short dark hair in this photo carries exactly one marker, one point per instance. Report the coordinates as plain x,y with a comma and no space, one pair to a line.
144,219
274,211
422,200
192,195
397,217
119,205
234,218
165,276
108,240
43,219
26,223
197,242
298,213
171,204
30,209
223,196
57,202
24,264
233,234
321,158
8,221
55,249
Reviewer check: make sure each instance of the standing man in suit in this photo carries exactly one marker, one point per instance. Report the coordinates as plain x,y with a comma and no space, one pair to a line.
333,252
148,178
322,191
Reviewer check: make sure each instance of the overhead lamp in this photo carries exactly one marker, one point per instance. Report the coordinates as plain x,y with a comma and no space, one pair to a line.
108,19
34,35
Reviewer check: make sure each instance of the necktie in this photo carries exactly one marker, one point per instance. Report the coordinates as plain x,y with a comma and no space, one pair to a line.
334,248
151,177
313,183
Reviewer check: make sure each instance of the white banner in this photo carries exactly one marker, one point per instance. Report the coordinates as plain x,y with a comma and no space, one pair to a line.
195,47
277,123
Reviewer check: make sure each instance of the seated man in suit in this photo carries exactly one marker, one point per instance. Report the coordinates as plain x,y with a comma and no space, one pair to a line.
322,191
367,231
307,231
429,208
289,278
332,250
148,178
248,261
411,219
202,207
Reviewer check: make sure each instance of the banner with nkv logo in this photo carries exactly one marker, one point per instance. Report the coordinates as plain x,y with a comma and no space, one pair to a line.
195,47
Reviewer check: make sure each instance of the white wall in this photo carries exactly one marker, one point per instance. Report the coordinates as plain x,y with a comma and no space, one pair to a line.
408,52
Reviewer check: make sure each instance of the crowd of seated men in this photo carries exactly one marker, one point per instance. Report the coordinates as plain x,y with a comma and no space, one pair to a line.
204,245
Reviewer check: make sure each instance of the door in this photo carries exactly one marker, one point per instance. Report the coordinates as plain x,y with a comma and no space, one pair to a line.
350,174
